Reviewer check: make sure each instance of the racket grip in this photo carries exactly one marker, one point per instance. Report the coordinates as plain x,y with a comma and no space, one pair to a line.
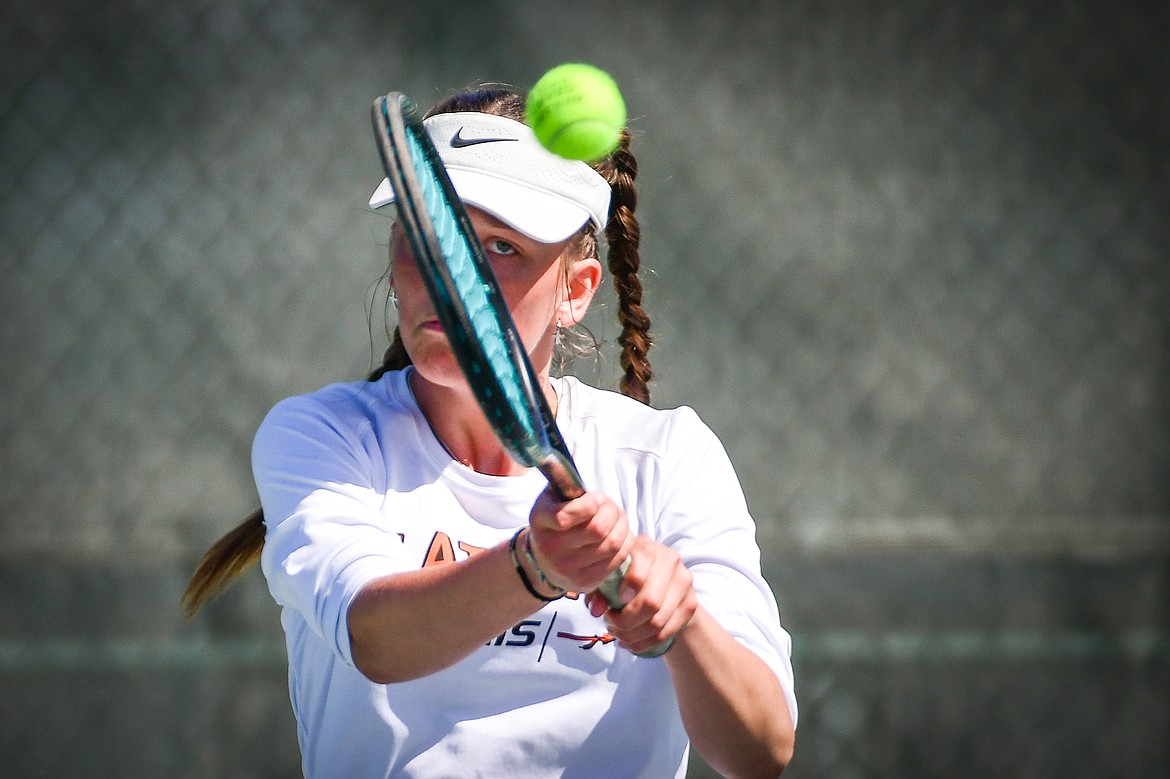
610,589
562,474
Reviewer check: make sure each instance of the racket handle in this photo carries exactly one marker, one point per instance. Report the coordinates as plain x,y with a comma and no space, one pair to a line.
562,475
610,589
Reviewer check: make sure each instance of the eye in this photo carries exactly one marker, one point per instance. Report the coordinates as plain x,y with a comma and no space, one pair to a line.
499,246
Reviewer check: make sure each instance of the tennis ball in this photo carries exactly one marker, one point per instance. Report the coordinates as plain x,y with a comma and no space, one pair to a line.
576,111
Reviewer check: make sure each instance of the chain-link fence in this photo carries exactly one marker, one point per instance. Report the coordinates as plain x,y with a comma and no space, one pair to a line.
908,259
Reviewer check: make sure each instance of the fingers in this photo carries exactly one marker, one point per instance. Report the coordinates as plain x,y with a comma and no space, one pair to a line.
596,603
578,542
661,599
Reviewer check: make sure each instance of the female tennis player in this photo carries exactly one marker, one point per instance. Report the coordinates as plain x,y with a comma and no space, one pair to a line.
439,600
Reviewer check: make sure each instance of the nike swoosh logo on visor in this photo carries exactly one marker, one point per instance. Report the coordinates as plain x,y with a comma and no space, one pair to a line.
459,142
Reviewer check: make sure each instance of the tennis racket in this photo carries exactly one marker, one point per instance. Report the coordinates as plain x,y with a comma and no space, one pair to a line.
471,308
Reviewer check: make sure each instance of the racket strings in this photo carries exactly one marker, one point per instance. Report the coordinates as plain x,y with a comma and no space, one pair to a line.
471,291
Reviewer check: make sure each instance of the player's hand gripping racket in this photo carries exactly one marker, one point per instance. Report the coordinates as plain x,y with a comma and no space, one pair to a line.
471,308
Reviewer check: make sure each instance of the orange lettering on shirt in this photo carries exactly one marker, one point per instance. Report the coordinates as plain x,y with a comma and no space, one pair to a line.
471,550
440,550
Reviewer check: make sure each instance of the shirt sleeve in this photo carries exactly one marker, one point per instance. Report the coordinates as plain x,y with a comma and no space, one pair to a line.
326,537
704,516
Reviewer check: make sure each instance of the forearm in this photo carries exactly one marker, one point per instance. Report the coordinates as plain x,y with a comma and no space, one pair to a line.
412,624
732,704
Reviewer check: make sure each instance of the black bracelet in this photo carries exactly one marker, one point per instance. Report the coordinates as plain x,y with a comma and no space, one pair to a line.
531,558
520,570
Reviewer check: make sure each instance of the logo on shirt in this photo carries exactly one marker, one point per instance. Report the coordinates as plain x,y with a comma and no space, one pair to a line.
530,632
590,641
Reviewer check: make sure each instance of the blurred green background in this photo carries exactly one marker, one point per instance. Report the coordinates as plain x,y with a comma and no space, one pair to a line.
908,259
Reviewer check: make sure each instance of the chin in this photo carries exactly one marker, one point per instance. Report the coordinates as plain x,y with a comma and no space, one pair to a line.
438,366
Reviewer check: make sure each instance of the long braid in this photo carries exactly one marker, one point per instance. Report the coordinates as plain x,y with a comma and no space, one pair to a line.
240,548
229,557
624,237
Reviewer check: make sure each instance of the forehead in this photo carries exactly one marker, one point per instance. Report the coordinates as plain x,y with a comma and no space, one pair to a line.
481,219
487,226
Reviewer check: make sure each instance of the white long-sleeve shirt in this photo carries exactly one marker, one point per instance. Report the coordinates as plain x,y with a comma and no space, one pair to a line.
355,486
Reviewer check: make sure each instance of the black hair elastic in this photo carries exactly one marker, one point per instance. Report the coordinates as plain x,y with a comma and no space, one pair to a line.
531,558
520,570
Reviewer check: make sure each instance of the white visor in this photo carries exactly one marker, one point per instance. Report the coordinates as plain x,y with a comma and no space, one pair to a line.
497,165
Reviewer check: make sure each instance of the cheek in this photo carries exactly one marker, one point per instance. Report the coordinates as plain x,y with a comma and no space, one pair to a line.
405,275
534,302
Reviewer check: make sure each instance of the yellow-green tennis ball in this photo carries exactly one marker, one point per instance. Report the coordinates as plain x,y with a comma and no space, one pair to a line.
576,111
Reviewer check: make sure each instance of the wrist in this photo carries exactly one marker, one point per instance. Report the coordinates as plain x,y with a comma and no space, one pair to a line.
529,572
529,555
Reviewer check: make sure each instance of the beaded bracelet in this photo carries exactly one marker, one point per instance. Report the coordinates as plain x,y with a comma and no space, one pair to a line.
531,558
523,576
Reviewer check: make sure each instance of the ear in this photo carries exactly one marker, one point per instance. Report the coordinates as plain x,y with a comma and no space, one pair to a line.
581,282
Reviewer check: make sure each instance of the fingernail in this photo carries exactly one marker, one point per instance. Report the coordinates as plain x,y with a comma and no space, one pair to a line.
627,594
